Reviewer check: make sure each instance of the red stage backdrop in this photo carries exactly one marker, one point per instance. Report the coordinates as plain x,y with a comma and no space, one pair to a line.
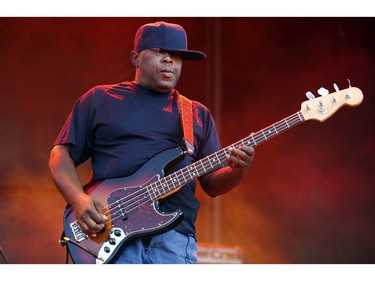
309,197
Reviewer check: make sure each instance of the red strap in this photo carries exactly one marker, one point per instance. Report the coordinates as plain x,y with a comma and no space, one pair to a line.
186,111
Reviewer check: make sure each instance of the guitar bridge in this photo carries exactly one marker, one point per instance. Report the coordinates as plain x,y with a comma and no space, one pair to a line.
77,232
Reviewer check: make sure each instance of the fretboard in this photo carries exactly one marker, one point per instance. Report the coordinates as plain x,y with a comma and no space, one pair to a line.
174,181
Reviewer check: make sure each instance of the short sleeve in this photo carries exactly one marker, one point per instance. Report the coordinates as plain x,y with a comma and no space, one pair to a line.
77,129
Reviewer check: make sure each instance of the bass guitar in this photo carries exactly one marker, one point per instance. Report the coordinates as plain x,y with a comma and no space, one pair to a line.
131,203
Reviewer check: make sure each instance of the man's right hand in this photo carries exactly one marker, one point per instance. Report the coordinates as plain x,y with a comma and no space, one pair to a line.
89,213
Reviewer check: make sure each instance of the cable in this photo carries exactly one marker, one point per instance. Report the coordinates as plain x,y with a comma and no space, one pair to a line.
64,240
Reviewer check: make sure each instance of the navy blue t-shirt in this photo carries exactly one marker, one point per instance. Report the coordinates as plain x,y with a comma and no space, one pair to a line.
120,127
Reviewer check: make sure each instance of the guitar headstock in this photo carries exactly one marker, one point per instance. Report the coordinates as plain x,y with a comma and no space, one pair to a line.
327,104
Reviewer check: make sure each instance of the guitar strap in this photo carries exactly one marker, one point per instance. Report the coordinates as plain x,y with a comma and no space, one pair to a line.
186,112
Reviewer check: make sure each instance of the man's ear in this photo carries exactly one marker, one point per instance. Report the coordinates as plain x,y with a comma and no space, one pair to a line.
134,57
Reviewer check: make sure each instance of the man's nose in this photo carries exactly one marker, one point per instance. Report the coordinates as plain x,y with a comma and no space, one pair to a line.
167,58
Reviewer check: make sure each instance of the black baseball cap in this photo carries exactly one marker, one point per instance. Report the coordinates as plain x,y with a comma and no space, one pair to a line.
166,36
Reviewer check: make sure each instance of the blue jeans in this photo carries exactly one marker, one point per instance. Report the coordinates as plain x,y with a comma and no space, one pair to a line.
170,247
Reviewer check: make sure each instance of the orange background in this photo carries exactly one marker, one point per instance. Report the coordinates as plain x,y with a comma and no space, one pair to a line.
309,197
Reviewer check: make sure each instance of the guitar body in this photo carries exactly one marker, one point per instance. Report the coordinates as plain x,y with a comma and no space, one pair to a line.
138,216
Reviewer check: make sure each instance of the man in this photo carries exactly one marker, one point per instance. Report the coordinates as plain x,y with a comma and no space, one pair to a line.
122,126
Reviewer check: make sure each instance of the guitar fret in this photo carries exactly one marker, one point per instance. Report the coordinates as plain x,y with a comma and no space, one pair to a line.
154,190
247,142
223,156
149,192
192,168
260,139
163,186
208,160
219,155
168,184
175,180
204,169
280,126
264,135
217,160
295,119
225,152
187,173
275,129
198,169
172,182
271,131
210,163
299,115
183,176
286,123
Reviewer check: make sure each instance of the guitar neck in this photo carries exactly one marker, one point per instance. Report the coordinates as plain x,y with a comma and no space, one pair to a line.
270,131
176,180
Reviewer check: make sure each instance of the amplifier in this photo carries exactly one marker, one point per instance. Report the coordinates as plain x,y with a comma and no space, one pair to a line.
218,253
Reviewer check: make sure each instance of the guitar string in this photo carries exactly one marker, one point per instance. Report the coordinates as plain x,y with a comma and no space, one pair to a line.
128,208
168,181
127,203
139,203
136,197
130,198
178,177
142,192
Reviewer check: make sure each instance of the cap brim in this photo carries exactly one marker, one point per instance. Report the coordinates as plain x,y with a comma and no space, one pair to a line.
193,55
190,54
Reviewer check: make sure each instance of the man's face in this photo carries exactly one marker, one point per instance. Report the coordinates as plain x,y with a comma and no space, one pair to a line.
158,70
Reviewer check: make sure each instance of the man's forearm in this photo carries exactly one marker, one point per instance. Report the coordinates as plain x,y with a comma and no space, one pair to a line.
221,181
64,173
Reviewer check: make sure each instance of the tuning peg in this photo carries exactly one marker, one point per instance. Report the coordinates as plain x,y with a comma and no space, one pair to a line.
310,95
336,87
323,92
350,85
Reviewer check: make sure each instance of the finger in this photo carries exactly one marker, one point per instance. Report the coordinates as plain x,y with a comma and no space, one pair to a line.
88,225
99,216
249,150
250,153
236,161
243,153
241,157
90,222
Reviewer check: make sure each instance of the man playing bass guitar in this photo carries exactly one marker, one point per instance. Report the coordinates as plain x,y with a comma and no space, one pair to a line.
120,127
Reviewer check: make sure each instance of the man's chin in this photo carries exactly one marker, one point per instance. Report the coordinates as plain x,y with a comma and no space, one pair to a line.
166,86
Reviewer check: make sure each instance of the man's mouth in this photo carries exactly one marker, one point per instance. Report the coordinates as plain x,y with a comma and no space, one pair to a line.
167,72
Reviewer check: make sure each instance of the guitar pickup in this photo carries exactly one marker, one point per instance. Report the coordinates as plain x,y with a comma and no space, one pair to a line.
123,213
